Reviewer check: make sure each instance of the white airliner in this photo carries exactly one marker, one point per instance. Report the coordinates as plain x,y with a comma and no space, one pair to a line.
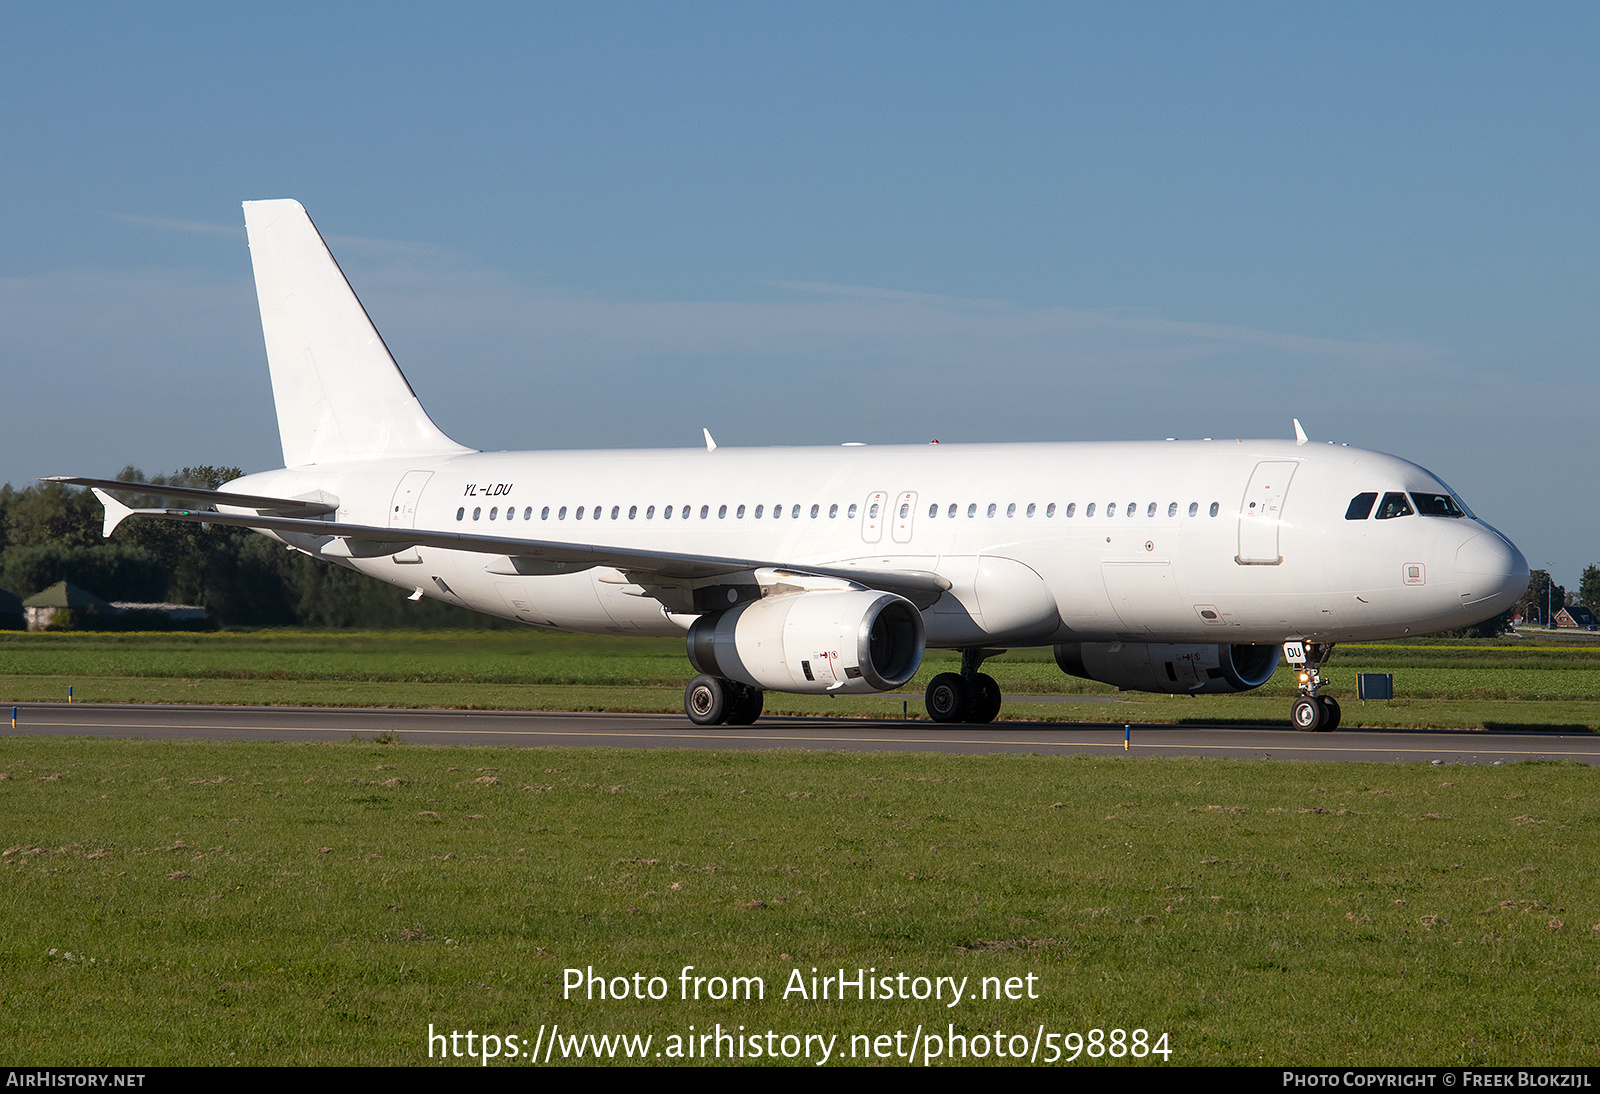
1169,566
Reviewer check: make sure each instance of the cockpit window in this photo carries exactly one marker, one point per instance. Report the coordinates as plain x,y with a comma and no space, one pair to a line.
1361,506
1394,504
1437,505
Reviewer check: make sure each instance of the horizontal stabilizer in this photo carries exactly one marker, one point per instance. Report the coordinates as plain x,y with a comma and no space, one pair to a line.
116,513
317,505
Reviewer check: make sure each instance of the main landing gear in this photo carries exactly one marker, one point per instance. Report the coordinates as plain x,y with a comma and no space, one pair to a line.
968,696
1311,713
712,701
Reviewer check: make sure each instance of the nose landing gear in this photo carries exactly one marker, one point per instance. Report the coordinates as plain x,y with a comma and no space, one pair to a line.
970,696
1311,712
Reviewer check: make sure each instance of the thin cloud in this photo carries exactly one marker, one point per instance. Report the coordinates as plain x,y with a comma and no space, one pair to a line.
192,227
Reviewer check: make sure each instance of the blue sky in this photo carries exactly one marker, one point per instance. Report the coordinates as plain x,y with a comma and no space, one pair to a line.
605,225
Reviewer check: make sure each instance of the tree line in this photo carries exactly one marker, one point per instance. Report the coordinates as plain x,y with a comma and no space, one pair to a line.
50,532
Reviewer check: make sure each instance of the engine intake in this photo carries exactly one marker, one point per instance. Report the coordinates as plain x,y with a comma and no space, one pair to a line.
1146,666
846,642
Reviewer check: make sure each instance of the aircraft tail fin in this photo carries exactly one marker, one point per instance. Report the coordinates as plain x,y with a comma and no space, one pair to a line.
340,396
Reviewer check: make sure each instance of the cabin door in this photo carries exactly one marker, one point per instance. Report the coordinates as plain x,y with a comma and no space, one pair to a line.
403,510
1261,512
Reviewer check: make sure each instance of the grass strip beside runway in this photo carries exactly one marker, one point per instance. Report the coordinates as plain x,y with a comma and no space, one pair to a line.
1465,685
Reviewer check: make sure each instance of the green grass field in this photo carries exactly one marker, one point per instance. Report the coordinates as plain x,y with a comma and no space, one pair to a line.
203,903
1522,683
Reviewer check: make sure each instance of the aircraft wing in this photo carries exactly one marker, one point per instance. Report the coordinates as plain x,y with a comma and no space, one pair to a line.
523,556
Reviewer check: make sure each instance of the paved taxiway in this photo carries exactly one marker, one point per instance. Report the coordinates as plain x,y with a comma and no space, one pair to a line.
525,728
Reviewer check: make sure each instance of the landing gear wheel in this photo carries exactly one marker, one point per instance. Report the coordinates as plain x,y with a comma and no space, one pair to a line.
949,698
986,699
706,700
1330,713
746,705
1307,714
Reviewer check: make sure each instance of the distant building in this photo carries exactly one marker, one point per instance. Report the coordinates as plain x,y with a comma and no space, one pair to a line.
172,613
1576,616
46,607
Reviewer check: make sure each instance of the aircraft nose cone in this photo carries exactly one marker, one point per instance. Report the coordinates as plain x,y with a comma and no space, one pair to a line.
1491,573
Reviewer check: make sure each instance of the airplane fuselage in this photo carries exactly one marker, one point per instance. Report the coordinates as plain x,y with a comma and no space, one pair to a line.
1171,542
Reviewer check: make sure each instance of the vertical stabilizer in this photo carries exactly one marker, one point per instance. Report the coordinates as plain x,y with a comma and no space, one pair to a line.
339,394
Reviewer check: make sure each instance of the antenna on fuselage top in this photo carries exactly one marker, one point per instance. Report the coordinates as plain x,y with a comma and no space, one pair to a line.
711,445
1299,434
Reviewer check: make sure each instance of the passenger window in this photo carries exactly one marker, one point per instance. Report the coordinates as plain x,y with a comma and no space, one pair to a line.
562,515
666,514
933,510
683,512
1133,507
1437,505
1194,508
460,513
722,512
1011,510
544,514
796,513
851,512
905,510
777,511
972,510
650,512
1214,508
872,514
705,511
1150,512
579,514
527,514
511,512
1089,510
633,511
1361,506
495,512
1394,504
1111,509
616,511
833,511
992,508
739,513
816,511
759,510
1050,510
952,512
1031,508
1172,510
1072,508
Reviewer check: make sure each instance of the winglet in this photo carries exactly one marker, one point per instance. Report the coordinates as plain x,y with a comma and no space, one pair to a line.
116,512
711,445
1300,437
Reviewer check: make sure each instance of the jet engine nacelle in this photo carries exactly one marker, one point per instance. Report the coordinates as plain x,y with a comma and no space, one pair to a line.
848,642
1148,666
